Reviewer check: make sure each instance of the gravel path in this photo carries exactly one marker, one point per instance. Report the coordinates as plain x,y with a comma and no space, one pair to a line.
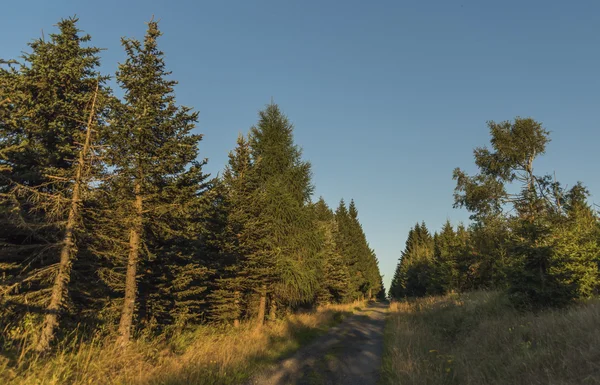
348,354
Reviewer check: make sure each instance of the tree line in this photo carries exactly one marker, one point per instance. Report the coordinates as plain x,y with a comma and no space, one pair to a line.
110,224
529,235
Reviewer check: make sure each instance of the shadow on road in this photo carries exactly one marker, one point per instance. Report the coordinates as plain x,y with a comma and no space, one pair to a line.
349,353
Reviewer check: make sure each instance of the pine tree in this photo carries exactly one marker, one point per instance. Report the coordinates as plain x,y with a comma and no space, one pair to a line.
159,186
335,278
374,276
398,286
445,270
367,274
239,236
414,273
421,260
359,249
557,261
284,263
346,246
465,259
48,123
577,251
488,254
381,294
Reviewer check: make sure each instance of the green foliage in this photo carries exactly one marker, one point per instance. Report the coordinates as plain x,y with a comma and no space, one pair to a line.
351,243
416,275
529,235
153,233
45,104
152,153
335,277
287,259
274,237
543,239
238,235
556,262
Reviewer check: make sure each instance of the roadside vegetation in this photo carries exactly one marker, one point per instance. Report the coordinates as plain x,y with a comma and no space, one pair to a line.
205,355
481,338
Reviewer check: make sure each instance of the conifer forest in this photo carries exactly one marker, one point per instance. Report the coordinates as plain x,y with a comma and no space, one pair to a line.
123,261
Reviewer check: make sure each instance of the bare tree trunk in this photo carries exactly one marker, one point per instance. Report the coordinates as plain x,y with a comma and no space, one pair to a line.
130,279
68,249
557,195
236,303
273,310
262,306
370,294
531,187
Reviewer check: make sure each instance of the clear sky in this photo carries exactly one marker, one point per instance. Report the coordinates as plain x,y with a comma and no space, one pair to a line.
387,97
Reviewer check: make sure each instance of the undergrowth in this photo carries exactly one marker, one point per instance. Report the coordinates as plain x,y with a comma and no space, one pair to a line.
206,355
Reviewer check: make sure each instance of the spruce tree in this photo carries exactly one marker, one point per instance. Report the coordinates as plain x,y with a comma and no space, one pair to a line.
284,263
557,262
367,277
419,271
444,262
346,246
240,237
464,259
158,187
577,250
414,273
52,107
335,278
359,250
489,244
398,286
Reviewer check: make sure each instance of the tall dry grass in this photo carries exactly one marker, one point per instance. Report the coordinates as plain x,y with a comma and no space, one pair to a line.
479,338
208,355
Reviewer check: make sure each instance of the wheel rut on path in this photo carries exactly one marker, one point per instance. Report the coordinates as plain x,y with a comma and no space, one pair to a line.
349,354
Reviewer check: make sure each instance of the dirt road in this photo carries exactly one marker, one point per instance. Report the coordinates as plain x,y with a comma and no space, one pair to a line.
349,354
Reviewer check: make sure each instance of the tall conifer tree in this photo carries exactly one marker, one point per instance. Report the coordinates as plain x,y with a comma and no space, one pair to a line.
284,267
158,184
240,237
335,278
49,104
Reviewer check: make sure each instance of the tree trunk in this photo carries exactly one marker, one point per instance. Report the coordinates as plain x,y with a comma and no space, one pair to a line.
68,249
273,310
130,279
370,294
262,306
531,188
236,303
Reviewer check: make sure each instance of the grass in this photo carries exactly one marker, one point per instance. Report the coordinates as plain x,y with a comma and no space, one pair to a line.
478,338
208,355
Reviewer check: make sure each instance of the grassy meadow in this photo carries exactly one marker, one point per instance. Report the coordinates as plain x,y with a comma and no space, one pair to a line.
478,338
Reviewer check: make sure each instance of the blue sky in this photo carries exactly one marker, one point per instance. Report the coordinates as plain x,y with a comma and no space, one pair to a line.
387,97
